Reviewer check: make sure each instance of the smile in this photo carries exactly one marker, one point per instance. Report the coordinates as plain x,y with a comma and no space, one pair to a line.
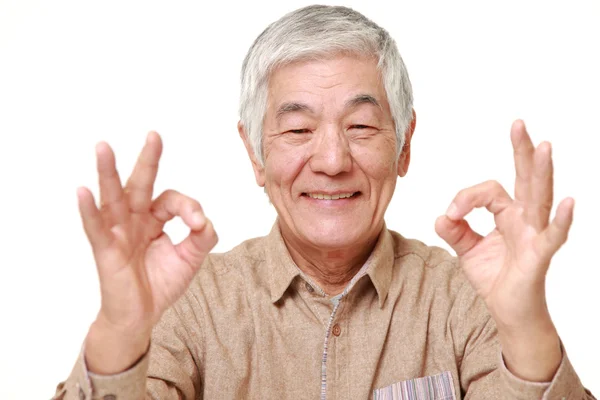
337,196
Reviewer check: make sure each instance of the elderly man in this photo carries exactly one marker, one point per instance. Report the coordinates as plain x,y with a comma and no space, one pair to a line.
331,304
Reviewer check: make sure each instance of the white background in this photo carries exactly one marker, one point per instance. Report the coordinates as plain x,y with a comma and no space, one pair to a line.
73,73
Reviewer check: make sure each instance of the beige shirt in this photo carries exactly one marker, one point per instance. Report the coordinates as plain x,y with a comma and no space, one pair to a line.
251,325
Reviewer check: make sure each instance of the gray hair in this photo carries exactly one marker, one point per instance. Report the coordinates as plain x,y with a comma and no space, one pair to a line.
318,32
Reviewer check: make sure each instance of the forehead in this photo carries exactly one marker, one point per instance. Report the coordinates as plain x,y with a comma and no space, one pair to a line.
325,82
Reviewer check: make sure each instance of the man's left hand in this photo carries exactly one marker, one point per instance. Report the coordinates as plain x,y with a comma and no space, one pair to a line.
508,267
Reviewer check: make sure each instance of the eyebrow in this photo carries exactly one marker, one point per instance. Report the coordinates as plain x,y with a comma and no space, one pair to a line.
289,107
362,99
292,107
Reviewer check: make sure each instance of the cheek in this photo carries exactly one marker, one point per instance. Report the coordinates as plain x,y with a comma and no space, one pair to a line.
378,161
283,165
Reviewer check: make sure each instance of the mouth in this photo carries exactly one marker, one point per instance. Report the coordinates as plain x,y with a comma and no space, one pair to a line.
330,196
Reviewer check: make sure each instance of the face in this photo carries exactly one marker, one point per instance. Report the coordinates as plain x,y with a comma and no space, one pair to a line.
330,162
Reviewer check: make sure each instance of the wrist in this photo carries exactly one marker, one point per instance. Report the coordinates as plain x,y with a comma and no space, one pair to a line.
533,354
109,351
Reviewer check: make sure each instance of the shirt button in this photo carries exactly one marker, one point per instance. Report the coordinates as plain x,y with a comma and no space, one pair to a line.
337,331
309,288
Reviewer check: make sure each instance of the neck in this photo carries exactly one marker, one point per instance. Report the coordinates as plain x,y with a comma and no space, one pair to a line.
331,269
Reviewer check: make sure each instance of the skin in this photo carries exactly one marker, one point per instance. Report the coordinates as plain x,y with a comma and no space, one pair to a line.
328,129
508,266
318,140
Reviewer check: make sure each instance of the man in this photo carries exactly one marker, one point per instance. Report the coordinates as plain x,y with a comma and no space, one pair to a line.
331,303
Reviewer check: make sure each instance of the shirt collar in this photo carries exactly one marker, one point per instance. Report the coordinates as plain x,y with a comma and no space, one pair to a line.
282,270
380,264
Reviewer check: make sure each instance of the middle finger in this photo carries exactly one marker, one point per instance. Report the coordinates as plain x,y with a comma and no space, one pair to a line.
140,184
542,193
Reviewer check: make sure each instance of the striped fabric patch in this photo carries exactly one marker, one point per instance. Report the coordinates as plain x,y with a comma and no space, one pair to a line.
435,387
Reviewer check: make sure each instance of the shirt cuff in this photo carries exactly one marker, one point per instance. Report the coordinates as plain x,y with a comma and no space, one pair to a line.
565,383
129,384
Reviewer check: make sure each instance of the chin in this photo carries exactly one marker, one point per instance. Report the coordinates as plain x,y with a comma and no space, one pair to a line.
334,234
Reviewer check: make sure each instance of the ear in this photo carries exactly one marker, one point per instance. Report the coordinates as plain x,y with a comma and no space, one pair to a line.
404,158
259,170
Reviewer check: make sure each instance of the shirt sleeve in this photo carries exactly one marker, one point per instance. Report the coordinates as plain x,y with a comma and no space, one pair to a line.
483,373
169,370
564,385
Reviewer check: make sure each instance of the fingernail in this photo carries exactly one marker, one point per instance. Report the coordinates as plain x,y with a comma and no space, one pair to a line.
549,148
198,218
99,147
452,211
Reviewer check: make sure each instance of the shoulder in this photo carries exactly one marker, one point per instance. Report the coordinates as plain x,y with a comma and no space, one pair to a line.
219,298
426,256
248,253
231,273
438,275
433,270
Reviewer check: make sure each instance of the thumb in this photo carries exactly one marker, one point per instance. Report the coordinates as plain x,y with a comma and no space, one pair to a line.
198,244
457,233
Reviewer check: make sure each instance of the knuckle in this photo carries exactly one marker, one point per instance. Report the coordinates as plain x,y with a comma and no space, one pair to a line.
463,195
546,207
211,229
137,204
169,193
493,184
194,204
132,184
212,234
149,163
112,203
183,200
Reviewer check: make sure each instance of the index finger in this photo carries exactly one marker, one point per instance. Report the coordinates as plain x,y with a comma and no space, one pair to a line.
490,195
140,184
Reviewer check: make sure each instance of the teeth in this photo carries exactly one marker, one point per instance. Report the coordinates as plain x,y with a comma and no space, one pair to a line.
322,196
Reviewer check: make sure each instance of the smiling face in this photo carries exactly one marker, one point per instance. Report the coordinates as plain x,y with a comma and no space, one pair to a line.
330,163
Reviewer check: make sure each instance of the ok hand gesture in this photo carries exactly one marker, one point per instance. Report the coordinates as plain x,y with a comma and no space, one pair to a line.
508,266
141,271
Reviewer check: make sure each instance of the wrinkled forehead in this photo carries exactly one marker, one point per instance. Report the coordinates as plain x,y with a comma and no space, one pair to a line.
339,81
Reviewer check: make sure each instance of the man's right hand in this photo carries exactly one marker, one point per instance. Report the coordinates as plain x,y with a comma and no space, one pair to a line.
141,271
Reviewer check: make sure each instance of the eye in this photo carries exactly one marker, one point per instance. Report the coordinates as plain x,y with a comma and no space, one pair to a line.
360,127
298,131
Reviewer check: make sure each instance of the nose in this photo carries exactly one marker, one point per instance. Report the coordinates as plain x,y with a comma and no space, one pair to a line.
331,152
